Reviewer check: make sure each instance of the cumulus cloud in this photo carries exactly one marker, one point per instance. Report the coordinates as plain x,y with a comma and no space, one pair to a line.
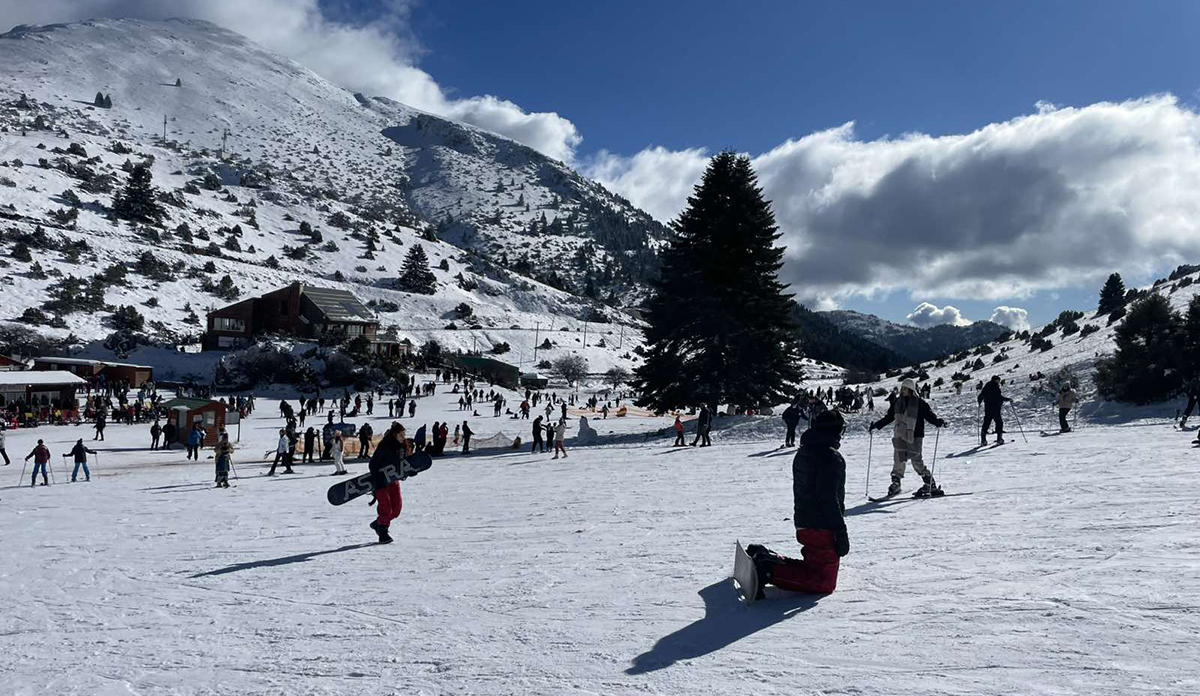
1015,318
926,315
377,57
1059,197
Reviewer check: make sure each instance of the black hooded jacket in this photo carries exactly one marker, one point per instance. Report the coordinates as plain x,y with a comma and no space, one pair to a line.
389,451
991,398
819,482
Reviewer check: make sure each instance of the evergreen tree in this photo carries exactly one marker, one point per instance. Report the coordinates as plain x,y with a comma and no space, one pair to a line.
138,201
1112,296
1190,337
416,276
721,329
99,100
1147,365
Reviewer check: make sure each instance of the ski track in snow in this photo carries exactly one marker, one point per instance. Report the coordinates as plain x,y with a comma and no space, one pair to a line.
1070,570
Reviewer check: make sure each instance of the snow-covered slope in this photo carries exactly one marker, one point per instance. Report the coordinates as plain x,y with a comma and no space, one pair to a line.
361,171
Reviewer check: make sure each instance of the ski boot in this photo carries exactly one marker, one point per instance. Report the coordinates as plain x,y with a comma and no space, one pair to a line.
983,440
895,487
929,490
1000,440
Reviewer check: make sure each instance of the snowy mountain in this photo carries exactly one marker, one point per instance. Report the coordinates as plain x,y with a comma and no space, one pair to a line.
247,148
912,343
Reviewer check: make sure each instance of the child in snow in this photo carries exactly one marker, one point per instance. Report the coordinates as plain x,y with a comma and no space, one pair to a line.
679,439
80,453
819,492
224,460
910,413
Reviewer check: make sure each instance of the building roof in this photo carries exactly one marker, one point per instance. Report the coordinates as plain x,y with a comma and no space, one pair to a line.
83,361
39,378
191,404
337,305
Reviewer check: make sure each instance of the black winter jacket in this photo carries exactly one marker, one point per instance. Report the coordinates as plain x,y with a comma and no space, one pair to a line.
925,415
991,398
819,482
389,451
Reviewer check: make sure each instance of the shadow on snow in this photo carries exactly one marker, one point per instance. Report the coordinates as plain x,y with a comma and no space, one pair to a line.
284,560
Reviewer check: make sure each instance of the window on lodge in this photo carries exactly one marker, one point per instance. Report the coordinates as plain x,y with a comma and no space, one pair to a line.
229,324
354,329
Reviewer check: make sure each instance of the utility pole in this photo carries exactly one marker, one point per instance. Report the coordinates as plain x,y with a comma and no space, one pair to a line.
622,343
164,127
535,343
585,333
224,142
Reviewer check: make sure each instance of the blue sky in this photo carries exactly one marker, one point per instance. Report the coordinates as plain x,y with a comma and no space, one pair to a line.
968,153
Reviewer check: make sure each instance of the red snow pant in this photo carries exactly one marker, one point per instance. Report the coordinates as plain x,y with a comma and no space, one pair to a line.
817,573
388,503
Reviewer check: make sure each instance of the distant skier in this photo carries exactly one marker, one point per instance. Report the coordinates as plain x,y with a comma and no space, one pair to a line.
703,424
1066,402
101,422
387,494
466,437
819,492
284,451
224,460
791,418
993,404
910,413
80,452
41,459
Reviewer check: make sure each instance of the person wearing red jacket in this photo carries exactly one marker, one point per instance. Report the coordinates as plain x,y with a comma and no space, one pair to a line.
41,458
819,493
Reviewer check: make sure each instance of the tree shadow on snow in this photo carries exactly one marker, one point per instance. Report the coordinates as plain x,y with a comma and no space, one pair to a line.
725,622
285,560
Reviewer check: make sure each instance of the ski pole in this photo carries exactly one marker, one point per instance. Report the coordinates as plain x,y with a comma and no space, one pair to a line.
936,437
1018,417
870,446
23,467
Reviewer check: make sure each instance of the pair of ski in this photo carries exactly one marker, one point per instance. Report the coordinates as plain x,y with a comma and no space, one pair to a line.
916,494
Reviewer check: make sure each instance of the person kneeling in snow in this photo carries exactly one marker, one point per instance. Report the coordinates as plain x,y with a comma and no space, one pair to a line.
910,413
391,450
819,490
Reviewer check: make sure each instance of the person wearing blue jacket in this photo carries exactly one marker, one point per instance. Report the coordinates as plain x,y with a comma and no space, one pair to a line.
194,440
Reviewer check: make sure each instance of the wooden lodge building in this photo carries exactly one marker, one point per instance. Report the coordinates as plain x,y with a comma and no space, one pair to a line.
300,310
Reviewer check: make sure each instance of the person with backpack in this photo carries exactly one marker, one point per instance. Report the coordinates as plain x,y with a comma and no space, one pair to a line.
224,460
41,459
791,418
80,452
819,510
993,404
910,413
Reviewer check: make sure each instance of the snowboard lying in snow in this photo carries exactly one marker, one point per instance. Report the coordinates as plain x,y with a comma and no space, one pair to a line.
345,491
745,574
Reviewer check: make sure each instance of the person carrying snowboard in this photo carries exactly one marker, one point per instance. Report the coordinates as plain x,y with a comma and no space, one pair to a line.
1066,402
819,492
993,403
910,413
41,459
387,494
224,460
791,418
80,452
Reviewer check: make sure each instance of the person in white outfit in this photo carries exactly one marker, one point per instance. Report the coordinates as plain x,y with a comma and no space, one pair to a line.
338,450
559,433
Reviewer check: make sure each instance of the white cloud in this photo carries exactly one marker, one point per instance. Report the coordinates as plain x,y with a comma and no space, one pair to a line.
1015,318
377,57
1060,197
926,315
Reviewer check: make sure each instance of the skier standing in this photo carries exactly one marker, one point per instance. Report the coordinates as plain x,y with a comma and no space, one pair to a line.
80,453
819,492
1066,402
387,494
993,403
283,450
791,418
910,414
224,460
41,458
338,451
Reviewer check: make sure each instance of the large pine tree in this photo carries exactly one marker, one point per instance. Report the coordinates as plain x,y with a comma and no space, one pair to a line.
138,201
1149,364
721,329
1112,295
416,277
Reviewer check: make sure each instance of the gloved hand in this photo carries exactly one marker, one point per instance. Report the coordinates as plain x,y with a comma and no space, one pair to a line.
841,542
941,423
871,427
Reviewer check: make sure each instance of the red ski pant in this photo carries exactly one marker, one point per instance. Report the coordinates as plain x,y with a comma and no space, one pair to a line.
817,573
388,503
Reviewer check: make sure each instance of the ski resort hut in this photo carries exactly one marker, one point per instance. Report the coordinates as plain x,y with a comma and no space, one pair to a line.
35,394
184,412
305,311
492,370
112,372
534,381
